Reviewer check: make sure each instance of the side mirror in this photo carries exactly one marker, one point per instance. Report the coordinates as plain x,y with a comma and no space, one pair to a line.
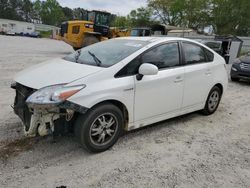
147,69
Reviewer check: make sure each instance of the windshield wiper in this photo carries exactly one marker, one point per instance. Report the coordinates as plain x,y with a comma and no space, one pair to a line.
98,61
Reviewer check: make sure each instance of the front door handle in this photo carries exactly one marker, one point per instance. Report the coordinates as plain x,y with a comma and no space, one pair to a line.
178,79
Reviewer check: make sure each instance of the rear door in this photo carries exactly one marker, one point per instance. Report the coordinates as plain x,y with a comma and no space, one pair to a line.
198,75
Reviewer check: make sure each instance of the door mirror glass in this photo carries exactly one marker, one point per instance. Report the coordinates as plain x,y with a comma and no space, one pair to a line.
148,69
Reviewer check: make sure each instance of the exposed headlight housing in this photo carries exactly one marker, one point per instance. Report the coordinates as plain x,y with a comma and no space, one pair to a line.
52,95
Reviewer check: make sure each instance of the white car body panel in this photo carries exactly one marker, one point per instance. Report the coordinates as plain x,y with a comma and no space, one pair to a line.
151,91
196,81
170,93
52,72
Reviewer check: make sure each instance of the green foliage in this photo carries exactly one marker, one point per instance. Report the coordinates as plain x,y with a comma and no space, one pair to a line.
231,17
9,9
140,17
51,12
45,34
68,13
121,22
226,16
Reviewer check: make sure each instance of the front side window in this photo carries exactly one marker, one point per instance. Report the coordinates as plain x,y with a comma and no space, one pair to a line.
106,53
163,56
193,53
75,29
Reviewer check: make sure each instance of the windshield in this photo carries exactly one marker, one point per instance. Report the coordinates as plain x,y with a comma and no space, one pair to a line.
106,53
102,19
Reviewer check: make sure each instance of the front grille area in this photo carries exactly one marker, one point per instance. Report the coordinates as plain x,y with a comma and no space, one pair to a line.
245,66
20,107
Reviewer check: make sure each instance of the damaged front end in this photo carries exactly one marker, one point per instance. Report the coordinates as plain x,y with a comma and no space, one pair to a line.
45,111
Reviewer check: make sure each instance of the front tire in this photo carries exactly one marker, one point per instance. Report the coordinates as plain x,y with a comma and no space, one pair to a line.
213,101
100,128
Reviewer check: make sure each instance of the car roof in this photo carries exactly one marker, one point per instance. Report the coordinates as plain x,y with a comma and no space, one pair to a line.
155,39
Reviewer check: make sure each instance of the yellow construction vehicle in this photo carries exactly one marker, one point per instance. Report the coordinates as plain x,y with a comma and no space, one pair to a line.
119,32
81,33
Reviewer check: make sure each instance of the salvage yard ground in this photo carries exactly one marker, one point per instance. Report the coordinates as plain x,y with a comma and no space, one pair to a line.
188,151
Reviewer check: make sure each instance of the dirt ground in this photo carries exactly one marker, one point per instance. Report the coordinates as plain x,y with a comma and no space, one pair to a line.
188,151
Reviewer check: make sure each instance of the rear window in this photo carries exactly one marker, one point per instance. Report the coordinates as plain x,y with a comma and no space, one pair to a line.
106,53
75,29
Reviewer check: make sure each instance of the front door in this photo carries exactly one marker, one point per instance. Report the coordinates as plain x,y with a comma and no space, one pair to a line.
160,94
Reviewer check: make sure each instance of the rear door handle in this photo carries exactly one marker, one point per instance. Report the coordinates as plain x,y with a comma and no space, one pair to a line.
178,79
208,72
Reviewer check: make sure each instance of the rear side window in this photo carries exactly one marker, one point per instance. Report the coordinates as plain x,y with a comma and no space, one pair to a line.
193,53
164,56
209,54
75,29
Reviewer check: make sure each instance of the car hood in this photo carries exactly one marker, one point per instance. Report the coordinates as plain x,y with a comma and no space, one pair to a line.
52,72
245,59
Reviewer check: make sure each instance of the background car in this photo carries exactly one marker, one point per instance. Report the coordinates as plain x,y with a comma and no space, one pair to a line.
35,34
241,68
119,85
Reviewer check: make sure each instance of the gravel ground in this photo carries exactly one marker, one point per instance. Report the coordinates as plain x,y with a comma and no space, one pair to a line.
188,151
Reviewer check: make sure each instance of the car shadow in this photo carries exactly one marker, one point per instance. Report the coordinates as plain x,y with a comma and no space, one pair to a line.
167,123
66,144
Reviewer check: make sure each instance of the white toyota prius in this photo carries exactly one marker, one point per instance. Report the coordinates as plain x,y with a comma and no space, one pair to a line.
118,85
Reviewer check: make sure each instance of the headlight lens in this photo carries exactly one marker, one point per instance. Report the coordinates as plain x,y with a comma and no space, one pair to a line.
53,94
234,69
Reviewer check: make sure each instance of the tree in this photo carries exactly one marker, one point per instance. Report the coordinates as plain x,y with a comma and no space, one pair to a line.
140,17
167,11
9,9
26,10
51,12
121,22
183,13
231,17
68,13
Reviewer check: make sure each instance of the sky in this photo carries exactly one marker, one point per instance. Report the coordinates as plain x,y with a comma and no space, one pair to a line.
119,7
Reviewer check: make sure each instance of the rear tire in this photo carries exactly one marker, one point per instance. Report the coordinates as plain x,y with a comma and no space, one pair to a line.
99,128
213,101
88,40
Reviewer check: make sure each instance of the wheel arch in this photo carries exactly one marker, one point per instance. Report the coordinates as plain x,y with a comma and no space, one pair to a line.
118,104
219,85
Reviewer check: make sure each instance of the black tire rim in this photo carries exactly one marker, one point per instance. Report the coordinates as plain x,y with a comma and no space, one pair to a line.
213,100
103,129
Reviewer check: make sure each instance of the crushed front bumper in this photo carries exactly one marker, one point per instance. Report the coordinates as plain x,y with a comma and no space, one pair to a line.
20,107
42,119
